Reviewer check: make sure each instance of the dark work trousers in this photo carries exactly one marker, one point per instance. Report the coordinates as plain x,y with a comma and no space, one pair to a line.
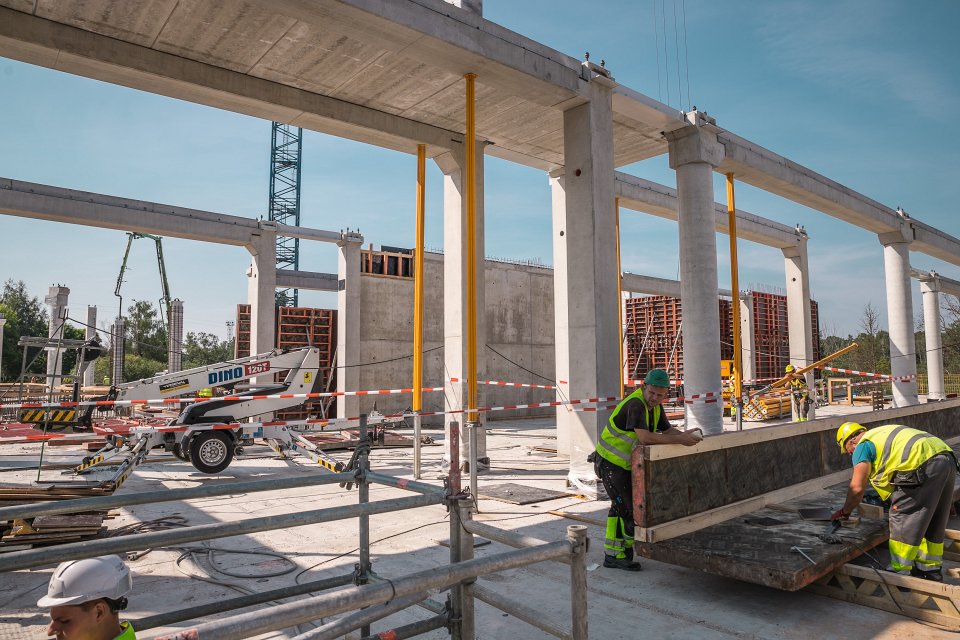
619,485
919,516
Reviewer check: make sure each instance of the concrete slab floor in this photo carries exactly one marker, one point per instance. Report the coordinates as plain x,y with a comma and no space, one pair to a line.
660,601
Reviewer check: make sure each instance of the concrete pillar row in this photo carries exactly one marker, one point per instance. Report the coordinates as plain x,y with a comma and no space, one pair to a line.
261,291
56,299
903,358
89,333
930,291
348,324
694,153
747,342
175,337
586,306
453,164
799,323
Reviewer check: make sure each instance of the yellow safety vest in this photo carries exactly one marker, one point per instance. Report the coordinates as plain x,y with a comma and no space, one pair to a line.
899,448
616,445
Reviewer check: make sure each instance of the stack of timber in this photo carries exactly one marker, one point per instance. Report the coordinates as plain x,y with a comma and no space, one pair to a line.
21,533
767,406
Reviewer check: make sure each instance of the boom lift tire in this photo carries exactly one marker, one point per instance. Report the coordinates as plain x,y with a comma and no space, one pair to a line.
211,451
182,452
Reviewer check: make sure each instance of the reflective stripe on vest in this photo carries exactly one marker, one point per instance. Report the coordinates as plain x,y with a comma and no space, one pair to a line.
616,445
899,448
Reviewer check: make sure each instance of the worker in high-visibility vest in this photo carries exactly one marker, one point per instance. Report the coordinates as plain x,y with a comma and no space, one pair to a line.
85,598
915,471
799,392
637,420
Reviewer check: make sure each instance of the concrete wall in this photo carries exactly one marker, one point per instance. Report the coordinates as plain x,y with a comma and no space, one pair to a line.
519,316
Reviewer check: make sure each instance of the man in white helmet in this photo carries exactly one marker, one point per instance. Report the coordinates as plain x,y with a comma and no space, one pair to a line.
85,598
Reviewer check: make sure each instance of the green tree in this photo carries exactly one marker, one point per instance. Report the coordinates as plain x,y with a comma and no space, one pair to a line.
145,334
202,348
137,367
25,316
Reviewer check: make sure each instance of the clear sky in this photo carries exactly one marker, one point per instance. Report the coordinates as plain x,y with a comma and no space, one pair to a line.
860,91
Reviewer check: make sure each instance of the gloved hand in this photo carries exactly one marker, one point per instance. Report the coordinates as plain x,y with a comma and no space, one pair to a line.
839,514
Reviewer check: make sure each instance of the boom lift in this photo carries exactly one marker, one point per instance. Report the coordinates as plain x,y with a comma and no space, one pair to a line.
165,298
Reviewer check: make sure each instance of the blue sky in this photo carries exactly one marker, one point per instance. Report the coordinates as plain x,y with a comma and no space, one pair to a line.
859,91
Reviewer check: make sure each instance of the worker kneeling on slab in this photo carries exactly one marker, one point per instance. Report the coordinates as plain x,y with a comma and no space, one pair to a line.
638,419
915,470
85,598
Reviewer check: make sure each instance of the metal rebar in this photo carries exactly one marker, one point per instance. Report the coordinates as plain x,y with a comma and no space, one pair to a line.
409,485
577,536
453,450
527,614
413,629
361,619
104,503
349,598
509,538
89,548
200,611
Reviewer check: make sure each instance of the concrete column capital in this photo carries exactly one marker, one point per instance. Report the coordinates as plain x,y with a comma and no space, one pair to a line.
902,235
930,285
797,250
452,161
694,144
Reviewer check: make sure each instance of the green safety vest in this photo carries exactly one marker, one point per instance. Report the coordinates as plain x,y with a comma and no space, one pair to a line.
899,448
127,633
616,445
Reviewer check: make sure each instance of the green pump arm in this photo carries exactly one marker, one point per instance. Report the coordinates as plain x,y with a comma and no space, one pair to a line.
165,300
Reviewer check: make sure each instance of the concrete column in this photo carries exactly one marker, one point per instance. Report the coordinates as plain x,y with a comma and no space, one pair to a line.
694,152
175,337
585,277
930,291
747,338
117,348
3,321
57,301
262,292
89,334
348,323
455,291
903,359
799,323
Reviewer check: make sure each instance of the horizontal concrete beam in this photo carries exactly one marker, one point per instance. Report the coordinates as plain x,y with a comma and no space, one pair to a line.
946,285
307,280
659,200
935,243
636,106
49,44
649,285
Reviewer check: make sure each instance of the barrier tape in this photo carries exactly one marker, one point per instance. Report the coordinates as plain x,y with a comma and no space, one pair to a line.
854,372
498,383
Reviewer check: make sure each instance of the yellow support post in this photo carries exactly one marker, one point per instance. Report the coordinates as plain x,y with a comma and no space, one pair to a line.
735,288
418,282
471,180
616,206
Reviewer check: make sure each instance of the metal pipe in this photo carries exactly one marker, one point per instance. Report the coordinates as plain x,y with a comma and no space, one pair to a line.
363,491
616,209
520,612
456,549
577,536
508,538
417,446
350,598
89,548
472,433
413,629
468,623
433,606
361,619
453,450
105,503
200,611
735,307
409,485
471,196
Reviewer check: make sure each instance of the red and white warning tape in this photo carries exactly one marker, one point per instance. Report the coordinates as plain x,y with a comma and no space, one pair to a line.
498,383
853,372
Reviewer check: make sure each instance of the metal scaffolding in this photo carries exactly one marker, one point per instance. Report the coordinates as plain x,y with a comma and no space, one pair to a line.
286,144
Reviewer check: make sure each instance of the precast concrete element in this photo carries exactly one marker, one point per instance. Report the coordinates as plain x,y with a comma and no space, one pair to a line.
175,333
930,291
117,348
56,299
473,6
585,276
747,342
903,357
694,152
453,166
261,291
649,285
307,280
799,323
348,323
88,334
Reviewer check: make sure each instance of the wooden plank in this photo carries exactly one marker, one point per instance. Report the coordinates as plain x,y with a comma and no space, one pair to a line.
85,521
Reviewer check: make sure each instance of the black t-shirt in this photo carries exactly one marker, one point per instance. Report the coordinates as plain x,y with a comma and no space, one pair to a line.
633,416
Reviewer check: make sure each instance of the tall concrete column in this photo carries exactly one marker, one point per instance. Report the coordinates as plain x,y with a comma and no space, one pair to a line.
903,359
348,323
262,292
799,322
452,165
930,291
89,334
57,301
175,337
117,351
747,341
585,277
694,152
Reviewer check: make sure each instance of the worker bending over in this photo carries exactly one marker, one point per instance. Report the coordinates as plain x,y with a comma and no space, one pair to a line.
85,598
799,392
638,420
915,470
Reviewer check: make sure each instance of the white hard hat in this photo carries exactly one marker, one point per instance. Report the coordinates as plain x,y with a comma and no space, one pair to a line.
79,581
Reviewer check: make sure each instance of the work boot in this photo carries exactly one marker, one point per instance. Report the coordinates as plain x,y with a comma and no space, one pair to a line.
613,562
934,575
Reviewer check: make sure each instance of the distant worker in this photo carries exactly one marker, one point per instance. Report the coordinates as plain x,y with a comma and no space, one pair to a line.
799,392
915,470
638,420
206,392
106,381
85,598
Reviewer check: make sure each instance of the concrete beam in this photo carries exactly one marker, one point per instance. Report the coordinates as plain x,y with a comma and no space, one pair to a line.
307,280
660,200
57,46
946,285
649,285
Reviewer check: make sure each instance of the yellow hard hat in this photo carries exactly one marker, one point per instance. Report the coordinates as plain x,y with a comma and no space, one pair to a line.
846,431
789,368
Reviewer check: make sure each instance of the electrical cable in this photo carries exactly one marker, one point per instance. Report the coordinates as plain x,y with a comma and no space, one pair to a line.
542,377
686,50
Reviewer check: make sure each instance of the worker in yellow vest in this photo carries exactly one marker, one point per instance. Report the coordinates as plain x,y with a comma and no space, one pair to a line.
799,392
637,420
915,471
85,598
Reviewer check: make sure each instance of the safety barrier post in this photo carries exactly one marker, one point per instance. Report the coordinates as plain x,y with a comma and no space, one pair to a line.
577,535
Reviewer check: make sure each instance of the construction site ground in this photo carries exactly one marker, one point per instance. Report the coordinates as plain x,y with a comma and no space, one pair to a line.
662,600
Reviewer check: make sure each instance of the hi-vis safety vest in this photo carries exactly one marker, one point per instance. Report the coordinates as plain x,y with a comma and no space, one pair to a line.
899,448
615,445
